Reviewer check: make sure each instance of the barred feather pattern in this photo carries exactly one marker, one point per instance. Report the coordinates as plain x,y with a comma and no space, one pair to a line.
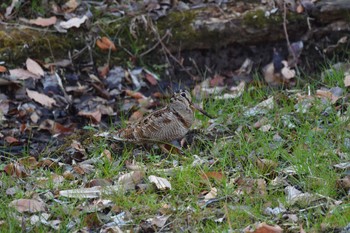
165,125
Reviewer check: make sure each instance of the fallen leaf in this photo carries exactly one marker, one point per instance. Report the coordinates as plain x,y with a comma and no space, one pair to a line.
105,44
294,196
300,9
54,127
84,168
131,178
15,170
161,183
327,94
11,140
134,94
218,80
22,74
98,182
151,79
10,8
103,70
133,166
160,221
211,194
34,67
73,22
265,228
41,98
28,205
70,6
92,221
94,116
347,80
266,165
48,163
137,115
107,154
287,72
261,108
44,22
3,69
29,162
215,175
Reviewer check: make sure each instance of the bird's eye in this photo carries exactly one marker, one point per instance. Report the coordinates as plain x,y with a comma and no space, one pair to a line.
183,94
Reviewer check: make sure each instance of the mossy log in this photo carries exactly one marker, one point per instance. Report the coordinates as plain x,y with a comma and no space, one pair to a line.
244,22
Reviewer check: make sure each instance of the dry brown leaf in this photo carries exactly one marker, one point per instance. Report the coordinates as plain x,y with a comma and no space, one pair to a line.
107,154
68,175
215,175
211,194
103,70
44,22
70,6
29,162
105,44
287,72
10,8
266,165
347,80
218,80
28,205
265,228
137,115
300,9
136,95
3,69
41,98
132,178
151,79
48,163
94,116
54,127
134,166
82,169
15,170
22,74
160,221
34,67
98,182
161,183
11,140
326,94
77,146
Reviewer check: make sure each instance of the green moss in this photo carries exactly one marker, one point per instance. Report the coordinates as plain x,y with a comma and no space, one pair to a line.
15,45
180,25
258,19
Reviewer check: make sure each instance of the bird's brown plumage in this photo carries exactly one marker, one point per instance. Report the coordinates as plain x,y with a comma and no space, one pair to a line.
165,125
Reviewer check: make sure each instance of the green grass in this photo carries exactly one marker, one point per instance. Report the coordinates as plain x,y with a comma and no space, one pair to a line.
232,149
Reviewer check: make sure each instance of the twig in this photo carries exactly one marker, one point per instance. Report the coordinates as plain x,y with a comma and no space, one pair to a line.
21,26
155,45
286,33
172,56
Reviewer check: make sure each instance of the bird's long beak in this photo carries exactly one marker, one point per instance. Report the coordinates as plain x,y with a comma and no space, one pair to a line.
201,110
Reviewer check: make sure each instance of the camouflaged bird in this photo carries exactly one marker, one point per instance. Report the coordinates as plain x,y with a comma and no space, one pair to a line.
165,125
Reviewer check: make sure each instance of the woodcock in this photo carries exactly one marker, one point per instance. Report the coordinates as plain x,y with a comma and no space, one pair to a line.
165,125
